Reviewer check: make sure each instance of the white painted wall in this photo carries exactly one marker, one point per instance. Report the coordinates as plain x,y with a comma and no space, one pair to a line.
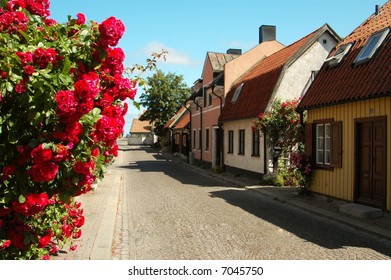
298,74
291,86
246,161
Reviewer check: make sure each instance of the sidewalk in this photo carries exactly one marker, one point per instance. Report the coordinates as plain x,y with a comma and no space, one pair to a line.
102,209
313,203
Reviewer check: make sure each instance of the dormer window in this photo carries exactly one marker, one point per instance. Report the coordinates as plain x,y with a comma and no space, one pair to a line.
339,55
370,48
237,92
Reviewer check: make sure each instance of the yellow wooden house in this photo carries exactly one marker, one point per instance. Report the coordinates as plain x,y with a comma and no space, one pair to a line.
347,113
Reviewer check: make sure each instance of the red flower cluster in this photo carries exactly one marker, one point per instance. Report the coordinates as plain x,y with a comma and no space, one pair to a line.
34,204
36,7
111,30
42,57
44,169
72,105
11,22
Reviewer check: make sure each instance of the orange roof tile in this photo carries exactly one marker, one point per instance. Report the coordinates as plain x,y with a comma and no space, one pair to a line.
174,119
260,81
183,121
347,82
140,126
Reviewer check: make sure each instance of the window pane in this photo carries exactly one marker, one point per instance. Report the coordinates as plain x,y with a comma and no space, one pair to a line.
319,157
327,157
370,46
319,130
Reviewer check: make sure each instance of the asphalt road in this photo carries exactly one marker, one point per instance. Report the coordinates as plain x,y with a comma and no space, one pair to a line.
170,211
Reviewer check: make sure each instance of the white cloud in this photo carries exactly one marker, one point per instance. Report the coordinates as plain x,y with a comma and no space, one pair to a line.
172,57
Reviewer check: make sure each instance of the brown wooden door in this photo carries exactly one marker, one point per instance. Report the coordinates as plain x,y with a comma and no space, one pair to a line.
371,151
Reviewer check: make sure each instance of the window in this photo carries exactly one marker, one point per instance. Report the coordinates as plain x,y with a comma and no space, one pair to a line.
207,139
323,143
255,143
230,141
370,48
241,142
205,97
199,139
323,139
210,99
339,55
237,93
194,139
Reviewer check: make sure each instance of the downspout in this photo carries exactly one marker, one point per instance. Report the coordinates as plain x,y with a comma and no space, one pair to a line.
220,125
190,132
200,125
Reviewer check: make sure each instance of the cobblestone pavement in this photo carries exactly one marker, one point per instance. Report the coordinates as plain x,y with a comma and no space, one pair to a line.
167,210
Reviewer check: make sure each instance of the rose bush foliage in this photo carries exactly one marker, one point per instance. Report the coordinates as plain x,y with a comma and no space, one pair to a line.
282,128
62,88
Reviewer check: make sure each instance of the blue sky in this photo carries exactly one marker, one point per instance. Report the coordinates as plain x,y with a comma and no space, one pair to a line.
189,29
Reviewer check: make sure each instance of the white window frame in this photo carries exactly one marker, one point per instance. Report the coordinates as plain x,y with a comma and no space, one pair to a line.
371,46
323,144
237,93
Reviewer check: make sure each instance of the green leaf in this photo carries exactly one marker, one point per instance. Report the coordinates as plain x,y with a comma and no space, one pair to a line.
21,198
65,79
67,66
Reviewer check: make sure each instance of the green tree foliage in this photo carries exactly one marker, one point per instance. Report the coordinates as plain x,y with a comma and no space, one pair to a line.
165,95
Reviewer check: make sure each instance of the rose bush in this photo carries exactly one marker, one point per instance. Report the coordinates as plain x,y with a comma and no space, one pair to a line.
282,128
61,112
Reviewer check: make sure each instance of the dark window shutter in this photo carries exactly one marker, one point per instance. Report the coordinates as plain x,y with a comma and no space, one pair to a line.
309,141
336,144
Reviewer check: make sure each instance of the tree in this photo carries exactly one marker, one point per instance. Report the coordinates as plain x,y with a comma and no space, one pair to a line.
165,94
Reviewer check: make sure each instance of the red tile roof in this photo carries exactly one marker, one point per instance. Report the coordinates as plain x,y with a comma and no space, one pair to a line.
347,82
183,121
261,80
140,126
173,122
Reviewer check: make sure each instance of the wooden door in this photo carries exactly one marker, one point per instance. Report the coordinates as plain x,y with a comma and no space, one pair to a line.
371,152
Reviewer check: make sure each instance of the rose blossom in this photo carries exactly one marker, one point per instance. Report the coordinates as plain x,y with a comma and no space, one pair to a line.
111,31
34,204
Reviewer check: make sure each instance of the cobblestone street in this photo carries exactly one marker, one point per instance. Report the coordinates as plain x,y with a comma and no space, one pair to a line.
169,211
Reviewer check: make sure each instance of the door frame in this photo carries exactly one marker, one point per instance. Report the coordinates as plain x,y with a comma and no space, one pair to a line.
357,122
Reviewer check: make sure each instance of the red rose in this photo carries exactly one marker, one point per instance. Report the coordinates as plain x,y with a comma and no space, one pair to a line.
34,204
81,19
111,31
43,172
84,168
113,64
95,152
114,150
40,154
38,7
16,239
5,244
42,57
11,22
107,130
44,241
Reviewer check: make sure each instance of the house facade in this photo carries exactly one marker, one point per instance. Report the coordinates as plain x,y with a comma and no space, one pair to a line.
141,133
219,72
205,108
348,109
177,133
283,75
